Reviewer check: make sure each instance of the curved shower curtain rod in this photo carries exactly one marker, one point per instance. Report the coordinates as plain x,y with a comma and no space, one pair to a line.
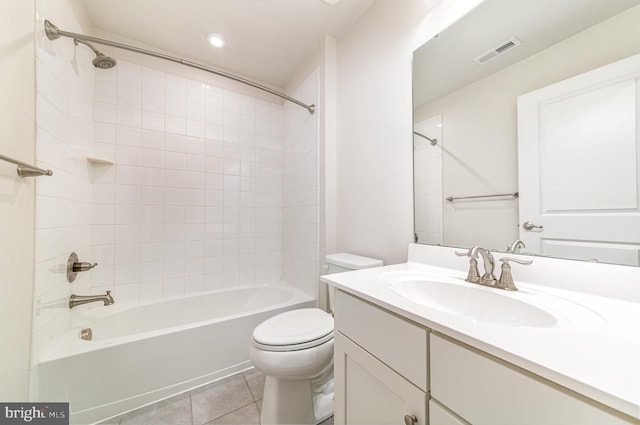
433,141
53,33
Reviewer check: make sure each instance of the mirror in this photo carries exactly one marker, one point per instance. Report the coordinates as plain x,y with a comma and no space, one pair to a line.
467,85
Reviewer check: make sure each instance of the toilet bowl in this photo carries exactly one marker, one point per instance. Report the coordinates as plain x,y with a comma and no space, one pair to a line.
295,352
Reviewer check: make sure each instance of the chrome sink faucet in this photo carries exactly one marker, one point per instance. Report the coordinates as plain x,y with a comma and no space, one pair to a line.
76,300
515,247
488,278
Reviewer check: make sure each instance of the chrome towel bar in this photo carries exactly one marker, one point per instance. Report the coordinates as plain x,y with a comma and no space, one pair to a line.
26,170
514,195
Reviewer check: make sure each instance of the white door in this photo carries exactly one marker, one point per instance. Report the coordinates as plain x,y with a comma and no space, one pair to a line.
578,162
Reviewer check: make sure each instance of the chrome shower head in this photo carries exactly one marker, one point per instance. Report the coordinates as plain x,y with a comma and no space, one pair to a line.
101,61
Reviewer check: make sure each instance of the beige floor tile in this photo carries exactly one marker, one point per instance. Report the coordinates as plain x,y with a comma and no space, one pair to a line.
247,415
255,379
220,398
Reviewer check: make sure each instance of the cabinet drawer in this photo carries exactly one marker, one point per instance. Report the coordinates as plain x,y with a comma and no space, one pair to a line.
399,344
485,390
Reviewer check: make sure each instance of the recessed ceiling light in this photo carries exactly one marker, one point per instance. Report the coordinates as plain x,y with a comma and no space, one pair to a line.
216,40
331,2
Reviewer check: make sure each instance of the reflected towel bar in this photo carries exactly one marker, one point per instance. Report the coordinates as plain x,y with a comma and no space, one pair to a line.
514,195
26,170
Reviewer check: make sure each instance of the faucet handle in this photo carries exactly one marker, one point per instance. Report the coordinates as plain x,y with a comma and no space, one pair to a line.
473,275
506,279
472,252
83,266
506,260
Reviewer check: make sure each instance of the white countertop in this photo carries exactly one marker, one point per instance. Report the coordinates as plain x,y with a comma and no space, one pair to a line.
598,358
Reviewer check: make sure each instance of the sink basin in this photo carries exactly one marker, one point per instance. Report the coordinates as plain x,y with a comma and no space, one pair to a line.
479,303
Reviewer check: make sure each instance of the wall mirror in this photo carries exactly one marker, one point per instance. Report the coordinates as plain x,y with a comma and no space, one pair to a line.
526,127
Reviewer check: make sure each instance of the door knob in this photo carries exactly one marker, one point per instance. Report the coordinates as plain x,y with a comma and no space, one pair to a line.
527,225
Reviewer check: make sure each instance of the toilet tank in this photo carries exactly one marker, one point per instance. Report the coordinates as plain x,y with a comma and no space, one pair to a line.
344,262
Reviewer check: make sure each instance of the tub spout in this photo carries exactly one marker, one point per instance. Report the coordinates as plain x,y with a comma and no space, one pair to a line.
76,300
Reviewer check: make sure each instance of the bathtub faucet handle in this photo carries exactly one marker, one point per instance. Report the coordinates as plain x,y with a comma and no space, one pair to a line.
83,266
74,266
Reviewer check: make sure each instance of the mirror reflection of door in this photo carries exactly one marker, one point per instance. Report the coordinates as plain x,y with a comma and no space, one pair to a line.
579,156
560,39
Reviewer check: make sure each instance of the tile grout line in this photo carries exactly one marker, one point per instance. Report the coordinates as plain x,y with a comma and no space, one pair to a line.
248,386
255,401
191,406
228,413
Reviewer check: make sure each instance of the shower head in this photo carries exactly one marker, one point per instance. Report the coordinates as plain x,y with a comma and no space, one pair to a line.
101,61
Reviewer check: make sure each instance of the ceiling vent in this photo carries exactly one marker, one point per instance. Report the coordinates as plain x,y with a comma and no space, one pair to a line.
498,50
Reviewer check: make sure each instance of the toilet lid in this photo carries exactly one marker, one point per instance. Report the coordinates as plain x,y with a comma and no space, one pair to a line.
295,329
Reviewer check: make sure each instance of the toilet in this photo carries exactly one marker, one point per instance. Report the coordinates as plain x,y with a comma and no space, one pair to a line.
295,352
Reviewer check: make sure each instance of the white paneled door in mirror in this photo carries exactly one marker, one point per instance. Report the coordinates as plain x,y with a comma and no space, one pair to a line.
579,150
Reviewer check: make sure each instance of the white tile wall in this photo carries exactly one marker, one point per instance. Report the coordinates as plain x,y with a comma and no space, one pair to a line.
300,197
193,201
428,182
64,85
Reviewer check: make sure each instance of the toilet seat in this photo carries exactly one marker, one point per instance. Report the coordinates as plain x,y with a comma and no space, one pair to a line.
294,330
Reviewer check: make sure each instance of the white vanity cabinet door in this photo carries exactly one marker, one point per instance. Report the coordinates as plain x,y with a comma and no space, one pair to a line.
439,416
484,390
367,392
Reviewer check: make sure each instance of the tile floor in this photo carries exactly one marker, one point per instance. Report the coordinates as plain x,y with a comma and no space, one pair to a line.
231,401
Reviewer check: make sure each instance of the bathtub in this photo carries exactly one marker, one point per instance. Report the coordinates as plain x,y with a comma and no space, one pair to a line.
148,352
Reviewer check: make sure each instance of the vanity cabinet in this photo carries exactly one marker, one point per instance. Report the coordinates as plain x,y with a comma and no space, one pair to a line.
483,389
388,367
380,368
438,415
371,393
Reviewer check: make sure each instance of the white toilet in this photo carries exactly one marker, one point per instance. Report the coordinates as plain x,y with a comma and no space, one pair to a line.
295,351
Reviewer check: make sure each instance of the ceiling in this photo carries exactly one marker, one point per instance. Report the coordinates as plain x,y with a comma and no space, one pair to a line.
265,39
446,63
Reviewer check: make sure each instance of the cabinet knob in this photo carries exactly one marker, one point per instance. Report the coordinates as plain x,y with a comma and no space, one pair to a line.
410,420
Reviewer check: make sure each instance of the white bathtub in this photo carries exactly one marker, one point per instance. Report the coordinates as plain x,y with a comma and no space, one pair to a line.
149,352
